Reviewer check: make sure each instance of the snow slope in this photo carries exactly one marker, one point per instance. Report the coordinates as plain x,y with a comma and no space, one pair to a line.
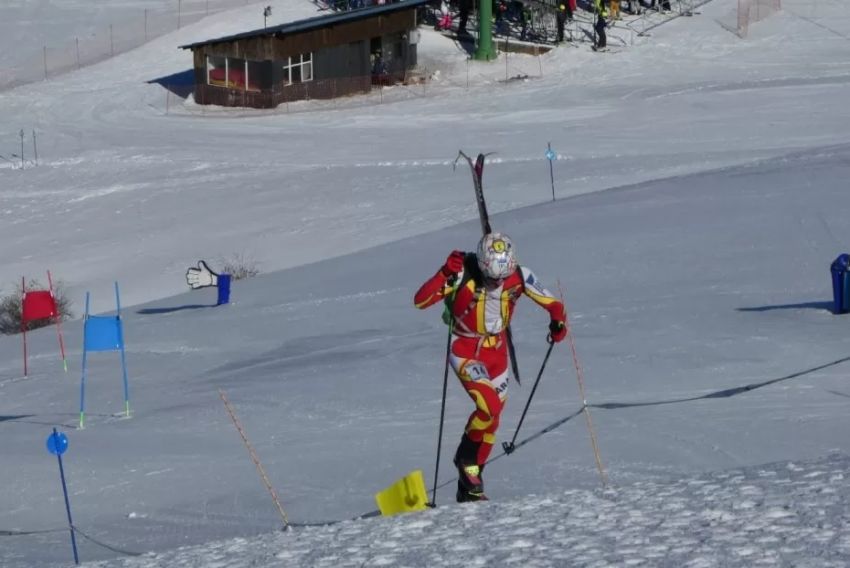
701,185
771,515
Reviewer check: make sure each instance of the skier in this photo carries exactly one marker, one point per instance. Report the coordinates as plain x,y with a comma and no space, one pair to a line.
465,6
525,19
480,290
560,20
445,21
601,24
499,10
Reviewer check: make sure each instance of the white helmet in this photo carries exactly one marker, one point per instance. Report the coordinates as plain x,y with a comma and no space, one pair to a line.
496,257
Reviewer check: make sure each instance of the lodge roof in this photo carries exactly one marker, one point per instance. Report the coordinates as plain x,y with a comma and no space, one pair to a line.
317,22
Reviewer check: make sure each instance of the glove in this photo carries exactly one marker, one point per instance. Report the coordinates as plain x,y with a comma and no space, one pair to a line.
454,263
557,330
201,277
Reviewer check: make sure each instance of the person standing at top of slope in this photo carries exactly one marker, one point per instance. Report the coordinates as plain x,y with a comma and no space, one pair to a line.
480,290
601,24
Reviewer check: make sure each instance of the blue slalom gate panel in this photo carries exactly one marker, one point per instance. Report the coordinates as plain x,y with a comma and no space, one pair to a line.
103,333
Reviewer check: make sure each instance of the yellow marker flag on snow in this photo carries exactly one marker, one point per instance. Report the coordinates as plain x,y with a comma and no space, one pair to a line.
405,495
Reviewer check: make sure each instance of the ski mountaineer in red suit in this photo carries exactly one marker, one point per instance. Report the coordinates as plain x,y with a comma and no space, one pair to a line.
480,290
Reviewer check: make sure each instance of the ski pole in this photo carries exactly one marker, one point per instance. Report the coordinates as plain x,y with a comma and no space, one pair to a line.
509,446
433,502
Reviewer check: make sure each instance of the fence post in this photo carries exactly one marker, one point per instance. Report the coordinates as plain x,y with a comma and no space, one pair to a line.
45,62
146,25
111,43
77,40
506,60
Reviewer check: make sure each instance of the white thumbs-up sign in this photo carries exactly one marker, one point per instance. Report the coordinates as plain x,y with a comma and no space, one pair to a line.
201,277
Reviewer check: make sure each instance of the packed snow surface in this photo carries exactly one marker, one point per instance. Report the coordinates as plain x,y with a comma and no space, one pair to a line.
700,185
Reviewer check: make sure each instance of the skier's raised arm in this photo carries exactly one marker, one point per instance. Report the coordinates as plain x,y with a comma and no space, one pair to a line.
440,285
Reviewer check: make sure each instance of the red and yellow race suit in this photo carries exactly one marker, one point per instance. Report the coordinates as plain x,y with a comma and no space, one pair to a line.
479,357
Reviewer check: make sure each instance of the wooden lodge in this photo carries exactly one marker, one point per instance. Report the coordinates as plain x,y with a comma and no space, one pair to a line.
318,58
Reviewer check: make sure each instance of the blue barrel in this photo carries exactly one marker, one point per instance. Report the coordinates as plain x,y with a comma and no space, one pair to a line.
841,284
224,289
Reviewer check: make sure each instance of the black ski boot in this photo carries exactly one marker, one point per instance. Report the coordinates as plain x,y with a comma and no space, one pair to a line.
470,485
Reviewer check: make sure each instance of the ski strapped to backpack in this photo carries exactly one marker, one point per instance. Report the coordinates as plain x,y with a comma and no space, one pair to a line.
477,174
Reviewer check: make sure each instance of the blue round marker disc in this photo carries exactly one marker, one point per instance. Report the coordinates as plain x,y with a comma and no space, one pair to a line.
550,154
57,443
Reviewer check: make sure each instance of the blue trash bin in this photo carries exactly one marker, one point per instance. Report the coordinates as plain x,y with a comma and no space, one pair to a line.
224,289
841,284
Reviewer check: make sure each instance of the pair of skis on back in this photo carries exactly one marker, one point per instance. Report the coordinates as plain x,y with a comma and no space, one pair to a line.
477,168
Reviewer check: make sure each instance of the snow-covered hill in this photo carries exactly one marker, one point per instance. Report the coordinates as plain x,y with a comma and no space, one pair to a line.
701,196
787,514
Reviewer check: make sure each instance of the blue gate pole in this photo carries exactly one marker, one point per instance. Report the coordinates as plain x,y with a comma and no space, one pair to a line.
123,357
550,155
67,503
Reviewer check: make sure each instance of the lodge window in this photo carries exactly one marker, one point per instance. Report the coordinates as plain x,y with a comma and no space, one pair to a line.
217,71
297,69
234,73
256,70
